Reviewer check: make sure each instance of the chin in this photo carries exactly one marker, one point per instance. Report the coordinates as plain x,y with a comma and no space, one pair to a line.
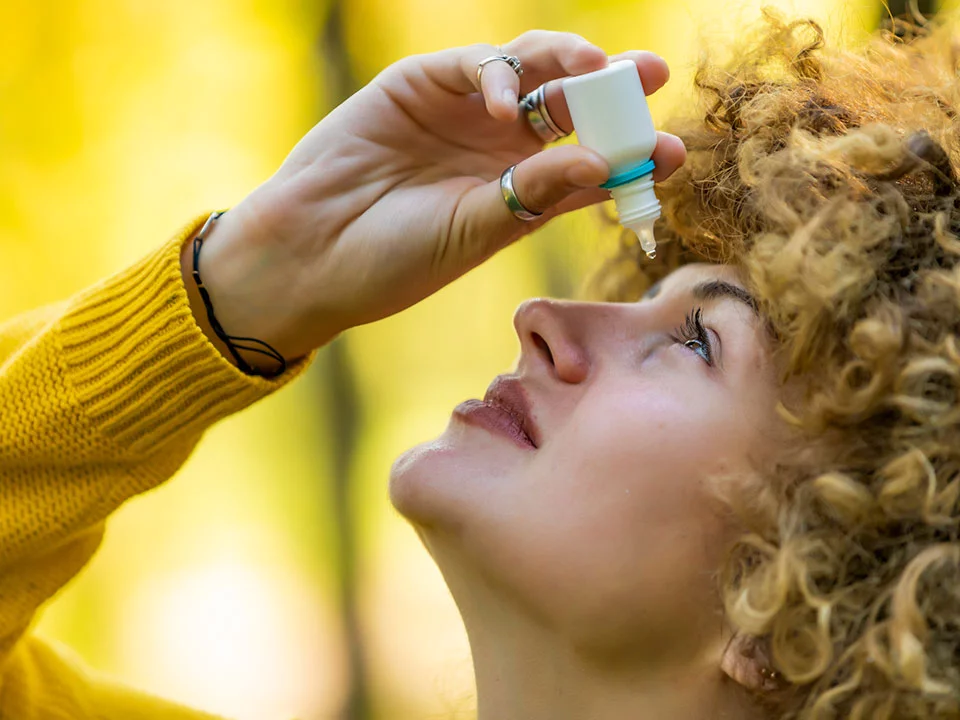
441,481
413,481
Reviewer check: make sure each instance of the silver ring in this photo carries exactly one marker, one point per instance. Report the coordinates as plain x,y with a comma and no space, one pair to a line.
512,60
534,104
510,196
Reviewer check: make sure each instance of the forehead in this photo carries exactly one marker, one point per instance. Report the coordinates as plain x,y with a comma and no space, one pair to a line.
686,276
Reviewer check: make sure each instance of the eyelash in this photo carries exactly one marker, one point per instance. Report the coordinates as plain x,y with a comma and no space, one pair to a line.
693,330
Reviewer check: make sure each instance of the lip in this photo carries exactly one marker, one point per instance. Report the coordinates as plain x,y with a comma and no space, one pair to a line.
505,409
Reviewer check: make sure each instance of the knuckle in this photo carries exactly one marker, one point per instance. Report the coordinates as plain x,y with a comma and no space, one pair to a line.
571,40
536,193
473,54
532,37
520,39
403,65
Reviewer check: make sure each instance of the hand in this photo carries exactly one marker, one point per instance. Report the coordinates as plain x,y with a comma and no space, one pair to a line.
396,192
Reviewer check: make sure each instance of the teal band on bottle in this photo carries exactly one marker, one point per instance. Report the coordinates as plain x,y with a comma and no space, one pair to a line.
629,175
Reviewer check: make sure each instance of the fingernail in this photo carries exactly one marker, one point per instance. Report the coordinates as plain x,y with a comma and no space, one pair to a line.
584,174
509,97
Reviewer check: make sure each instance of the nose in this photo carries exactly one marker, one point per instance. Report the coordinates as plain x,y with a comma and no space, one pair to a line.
550,339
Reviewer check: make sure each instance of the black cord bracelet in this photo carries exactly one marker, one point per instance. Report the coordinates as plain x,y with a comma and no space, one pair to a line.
217,328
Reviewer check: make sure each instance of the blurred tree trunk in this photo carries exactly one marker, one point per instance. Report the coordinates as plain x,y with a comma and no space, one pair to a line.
345,402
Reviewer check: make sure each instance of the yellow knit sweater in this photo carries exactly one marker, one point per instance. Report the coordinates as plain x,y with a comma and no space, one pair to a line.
102,396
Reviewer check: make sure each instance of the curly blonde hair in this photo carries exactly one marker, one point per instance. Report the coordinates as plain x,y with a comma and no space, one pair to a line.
827,176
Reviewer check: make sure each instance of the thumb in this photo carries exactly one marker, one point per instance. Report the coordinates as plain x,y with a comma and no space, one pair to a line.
484,224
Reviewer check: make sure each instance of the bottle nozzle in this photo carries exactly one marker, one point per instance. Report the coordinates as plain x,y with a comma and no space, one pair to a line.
648,243
638,208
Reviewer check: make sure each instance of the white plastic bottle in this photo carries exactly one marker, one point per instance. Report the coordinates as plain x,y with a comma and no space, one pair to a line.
611,116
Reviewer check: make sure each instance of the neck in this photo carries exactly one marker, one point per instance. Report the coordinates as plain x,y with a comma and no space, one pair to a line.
540,680
525,671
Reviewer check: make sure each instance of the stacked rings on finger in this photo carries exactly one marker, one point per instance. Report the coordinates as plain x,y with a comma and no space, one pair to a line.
512,60
510,197
534,104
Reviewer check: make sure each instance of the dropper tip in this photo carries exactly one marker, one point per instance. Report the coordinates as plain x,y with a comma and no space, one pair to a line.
648,243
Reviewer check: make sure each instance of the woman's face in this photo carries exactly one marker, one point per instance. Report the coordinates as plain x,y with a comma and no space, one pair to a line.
585,505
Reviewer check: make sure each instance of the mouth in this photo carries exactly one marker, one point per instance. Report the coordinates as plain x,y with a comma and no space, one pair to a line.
505,409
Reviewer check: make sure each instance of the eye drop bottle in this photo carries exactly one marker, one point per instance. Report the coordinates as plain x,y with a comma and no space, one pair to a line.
610,114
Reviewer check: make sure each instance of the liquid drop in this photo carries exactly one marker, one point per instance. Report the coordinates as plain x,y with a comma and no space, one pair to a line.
647,242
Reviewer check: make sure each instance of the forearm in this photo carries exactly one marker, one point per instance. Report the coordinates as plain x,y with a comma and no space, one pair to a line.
103,396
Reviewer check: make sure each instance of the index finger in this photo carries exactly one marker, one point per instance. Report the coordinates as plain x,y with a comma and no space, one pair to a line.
543,54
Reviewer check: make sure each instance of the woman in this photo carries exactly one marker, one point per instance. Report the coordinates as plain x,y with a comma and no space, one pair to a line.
735,498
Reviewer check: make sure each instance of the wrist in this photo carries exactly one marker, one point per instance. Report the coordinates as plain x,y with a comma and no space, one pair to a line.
196,301
232,275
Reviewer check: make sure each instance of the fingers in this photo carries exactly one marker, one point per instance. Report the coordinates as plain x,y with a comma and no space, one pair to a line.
544,55
547,178
455,69
547,55
500,86
484,224
555,181
654,71
581,199
669,155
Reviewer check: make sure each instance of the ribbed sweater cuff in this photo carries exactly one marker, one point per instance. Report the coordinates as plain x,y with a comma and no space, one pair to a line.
141,367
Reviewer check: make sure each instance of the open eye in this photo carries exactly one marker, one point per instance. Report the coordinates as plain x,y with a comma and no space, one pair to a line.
694,335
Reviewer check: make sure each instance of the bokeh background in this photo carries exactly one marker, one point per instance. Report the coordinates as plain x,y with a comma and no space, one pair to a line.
271,578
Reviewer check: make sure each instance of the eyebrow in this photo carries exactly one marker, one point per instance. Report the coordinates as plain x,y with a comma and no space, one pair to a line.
712,289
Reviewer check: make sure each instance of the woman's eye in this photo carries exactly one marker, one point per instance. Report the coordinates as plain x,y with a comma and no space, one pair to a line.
701,348
694,335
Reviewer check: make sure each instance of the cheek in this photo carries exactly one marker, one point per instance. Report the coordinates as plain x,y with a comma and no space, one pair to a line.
611,529
646,452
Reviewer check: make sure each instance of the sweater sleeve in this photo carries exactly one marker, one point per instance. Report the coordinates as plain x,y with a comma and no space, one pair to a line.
102,397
